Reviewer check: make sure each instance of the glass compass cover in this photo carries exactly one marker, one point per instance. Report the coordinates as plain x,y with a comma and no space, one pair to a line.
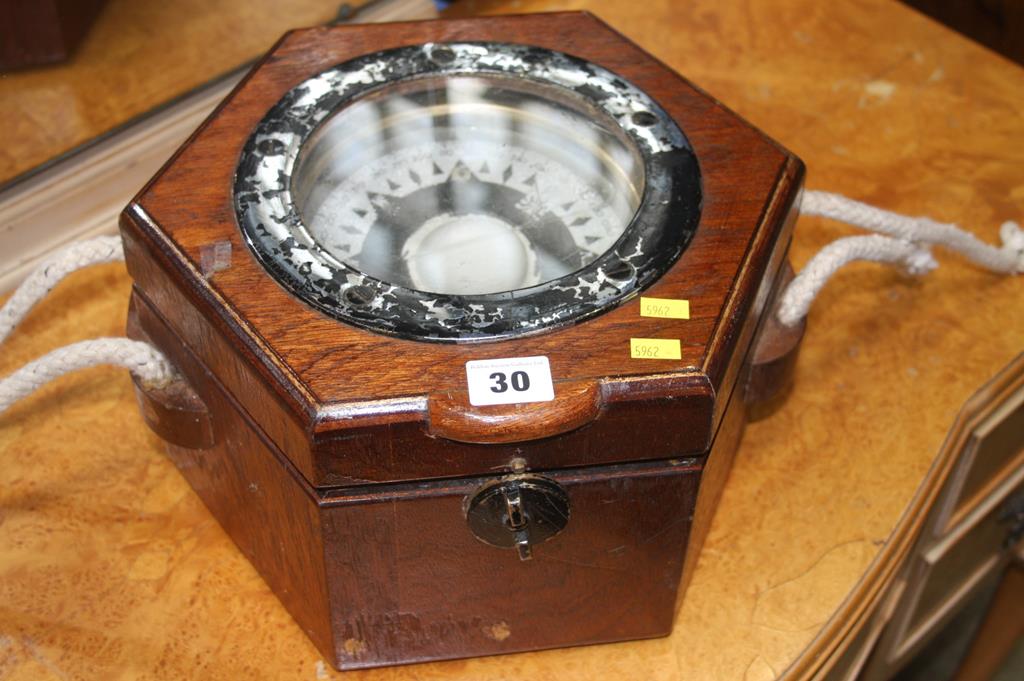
466,191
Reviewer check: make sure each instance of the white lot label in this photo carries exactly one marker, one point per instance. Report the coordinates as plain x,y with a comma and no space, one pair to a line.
509,381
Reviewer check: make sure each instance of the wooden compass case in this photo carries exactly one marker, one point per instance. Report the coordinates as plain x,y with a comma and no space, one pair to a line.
343,462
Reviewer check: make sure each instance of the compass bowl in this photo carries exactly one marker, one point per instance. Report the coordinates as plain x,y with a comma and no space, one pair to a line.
466,191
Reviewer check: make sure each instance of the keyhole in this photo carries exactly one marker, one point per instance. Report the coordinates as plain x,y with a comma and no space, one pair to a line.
518,513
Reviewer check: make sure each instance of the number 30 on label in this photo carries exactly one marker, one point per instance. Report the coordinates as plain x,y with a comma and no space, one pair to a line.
509,381
520,381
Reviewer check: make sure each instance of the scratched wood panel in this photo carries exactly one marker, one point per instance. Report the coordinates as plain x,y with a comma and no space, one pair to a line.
110,565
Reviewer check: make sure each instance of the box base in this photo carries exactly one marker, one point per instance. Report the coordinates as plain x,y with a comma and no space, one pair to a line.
389,574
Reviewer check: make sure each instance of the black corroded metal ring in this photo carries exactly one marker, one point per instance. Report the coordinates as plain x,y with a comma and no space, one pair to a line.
659,231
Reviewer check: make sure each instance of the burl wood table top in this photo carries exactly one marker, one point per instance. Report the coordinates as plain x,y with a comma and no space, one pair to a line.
135,57
110,567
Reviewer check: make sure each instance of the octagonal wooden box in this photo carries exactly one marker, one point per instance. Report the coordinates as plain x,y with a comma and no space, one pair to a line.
341,460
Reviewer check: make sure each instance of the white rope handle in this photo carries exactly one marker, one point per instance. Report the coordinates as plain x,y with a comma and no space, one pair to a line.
142,359
798,296
1008,259
51,271
904,245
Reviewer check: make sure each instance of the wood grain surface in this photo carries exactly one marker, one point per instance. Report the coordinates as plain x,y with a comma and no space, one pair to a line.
111,567
613,574
137,55
34,34
390,574
250,331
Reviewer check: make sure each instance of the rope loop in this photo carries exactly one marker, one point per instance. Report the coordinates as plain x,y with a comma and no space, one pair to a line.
50,272
905,242
144,361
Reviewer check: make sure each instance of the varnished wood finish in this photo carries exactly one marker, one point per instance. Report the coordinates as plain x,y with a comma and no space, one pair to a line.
944,566
134,58
261,501
775,349
360,568
1001,630
332,378
354,456
894,586
716,473
451,416
996,24
111,567
399,598
348,408
42,32
175,411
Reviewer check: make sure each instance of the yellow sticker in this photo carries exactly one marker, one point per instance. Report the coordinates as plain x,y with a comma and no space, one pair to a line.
664,307
654,348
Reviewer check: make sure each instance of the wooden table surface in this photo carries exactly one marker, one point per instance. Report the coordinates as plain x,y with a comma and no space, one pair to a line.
111,568
136,56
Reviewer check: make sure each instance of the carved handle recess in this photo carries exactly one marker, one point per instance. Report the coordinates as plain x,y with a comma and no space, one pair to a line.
451,415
